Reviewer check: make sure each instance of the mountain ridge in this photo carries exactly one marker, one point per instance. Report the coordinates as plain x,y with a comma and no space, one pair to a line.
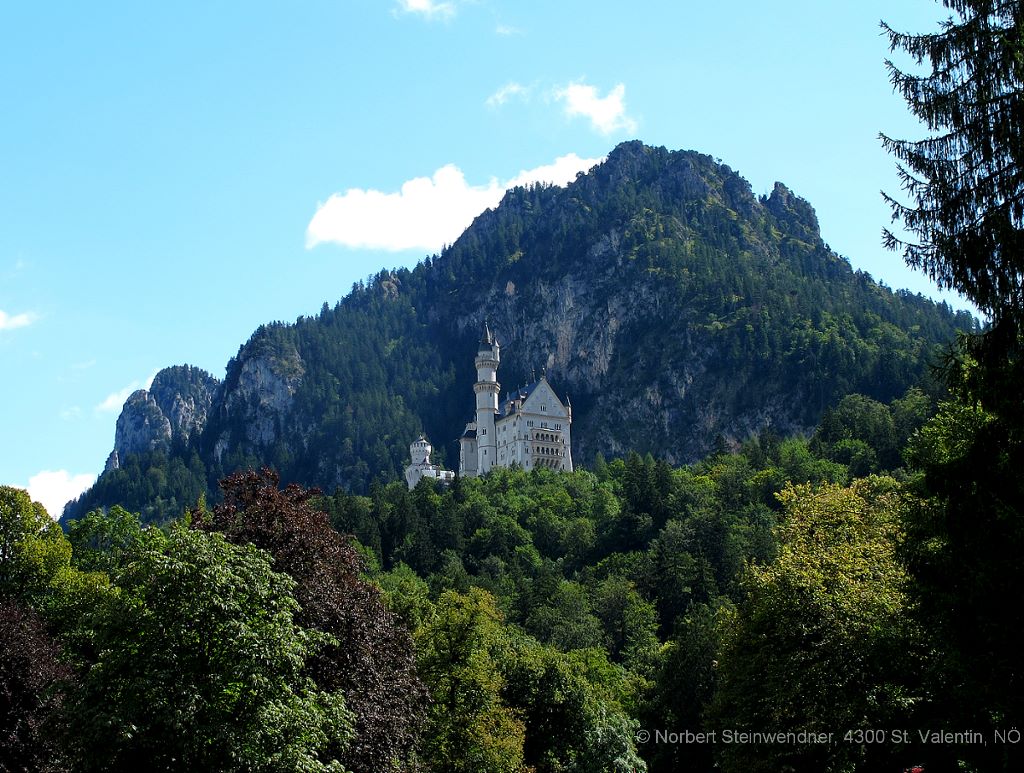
674,306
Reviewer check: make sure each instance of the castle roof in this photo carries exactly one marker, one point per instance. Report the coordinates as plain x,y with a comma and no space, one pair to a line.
487,339
523,393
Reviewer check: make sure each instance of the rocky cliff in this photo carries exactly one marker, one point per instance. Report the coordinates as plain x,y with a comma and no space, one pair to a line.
172,411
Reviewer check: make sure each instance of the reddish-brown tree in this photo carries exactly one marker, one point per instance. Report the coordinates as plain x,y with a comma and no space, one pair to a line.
30,676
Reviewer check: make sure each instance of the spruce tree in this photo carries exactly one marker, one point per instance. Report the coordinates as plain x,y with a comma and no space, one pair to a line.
964,538
966,179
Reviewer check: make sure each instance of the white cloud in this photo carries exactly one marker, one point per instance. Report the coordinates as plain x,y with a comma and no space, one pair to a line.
55,488
115,400
506,92
561,171
606,114
506,30
427,212
13,322
430,9
71,413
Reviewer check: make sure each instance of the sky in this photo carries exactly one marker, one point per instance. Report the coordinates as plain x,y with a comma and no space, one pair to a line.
173,175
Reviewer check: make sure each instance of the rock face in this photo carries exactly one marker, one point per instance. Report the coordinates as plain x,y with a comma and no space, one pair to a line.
172,410
257,395
184,395
141,427
794,213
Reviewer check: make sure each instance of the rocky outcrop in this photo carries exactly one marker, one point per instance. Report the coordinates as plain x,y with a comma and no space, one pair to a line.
795,214
257,395
141,427
185,395
173,409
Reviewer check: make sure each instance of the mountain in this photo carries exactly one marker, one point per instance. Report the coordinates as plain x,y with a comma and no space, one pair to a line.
677,310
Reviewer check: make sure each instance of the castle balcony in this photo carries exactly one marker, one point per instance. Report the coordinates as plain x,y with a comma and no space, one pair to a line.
547,446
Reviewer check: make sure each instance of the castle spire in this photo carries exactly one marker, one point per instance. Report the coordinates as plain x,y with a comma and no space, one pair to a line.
487,338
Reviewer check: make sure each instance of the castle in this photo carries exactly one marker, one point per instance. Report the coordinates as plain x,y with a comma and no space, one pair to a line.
531,428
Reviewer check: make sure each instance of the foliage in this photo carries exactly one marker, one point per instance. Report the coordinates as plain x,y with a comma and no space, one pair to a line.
159,485
30,690
36,566
503,701
964,538
554,614
469,729
105,542
21,520
822,641
200,666
963,550
685,681
571,705
370,656
868,436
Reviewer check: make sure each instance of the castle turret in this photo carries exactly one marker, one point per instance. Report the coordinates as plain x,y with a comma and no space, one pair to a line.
487,389
421,467
420,451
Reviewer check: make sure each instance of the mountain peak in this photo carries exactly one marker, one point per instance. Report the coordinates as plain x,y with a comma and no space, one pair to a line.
795,212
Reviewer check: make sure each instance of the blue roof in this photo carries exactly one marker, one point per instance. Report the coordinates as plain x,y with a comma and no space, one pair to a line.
524,392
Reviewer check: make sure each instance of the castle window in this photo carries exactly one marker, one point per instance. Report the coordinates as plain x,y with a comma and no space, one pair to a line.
483,432
529,423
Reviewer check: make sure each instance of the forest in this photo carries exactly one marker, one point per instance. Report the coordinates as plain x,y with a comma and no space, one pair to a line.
538,621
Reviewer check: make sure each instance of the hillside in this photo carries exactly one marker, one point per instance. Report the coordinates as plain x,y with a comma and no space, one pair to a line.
675,308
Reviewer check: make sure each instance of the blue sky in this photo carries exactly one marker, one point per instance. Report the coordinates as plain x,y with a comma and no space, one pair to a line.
173,175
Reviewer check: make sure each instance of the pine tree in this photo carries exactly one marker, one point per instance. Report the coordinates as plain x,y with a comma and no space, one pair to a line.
966,180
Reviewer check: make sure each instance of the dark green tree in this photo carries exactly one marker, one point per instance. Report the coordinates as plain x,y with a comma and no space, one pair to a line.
966,179
966,182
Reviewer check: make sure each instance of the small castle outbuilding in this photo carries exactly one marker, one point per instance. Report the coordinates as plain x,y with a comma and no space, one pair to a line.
421,466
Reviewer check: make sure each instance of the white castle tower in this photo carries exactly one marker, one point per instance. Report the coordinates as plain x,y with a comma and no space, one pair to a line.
488,357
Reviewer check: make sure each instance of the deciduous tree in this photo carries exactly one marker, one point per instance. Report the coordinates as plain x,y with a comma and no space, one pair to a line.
200,666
